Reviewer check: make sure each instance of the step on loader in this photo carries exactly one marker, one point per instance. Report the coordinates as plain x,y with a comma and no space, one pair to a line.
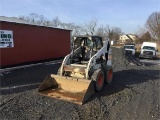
82,73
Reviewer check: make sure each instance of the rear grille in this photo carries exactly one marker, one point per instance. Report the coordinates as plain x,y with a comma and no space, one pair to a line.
148,53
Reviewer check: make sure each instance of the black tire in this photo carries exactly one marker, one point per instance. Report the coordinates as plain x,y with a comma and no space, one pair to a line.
109,75
98,78
104,67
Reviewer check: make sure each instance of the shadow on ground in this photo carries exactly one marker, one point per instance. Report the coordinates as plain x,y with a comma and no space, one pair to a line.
31,78
126,79
25,79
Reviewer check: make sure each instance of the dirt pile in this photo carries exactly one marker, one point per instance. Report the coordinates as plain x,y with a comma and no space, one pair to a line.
133,94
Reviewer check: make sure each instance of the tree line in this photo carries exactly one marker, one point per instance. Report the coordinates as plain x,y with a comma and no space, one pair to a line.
90,28
149,33
151,30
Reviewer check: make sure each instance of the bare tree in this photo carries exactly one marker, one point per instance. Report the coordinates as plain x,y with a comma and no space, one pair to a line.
48,23
77,30
22,17
101,31
117,33
33,17
25,18
41,20
153,24
67,25
113,33
90,27
109,32
56,22
140,31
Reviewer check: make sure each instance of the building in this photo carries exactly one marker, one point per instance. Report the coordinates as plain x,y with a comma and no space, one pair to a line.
23,42
127,37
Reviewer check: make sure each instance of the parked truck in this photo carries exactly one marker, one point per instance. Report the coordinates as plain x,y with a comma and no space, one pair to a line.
130,49
148,50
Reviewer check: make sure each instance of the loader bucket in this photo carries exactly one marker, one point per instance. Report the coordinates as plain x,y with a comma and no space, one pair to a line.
66,88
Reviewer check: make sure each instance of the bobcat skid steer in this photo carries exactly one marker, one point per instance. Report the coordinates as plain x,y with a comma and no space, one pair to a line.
82,73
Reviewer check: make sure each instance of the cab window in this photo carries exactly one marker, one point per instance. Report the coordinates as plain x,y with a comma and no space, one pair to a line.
98,43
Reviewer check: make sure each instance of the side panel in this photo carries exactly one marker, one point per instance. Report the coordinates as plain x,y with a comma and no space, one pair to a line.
34,43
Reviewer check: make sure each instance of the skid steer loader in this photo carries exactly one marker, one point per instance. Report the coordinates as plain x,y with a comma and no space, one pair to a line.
82,73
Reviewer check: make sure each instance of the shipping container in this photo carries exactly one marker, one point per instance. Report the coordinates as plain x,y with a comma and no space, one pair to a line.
34,43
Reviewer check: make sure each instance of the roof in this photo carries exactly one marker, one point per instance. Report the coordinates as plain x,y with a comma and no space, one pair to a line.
129,44
87,36
91,37
128,34
16,20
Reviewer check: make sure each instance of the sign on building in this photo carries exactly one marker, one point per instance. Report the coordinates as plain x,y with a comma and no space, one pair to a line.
6,39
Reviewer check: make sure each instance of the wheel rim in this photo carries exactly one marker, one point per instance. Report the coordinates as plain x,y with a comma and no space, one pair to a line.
110,75
100,80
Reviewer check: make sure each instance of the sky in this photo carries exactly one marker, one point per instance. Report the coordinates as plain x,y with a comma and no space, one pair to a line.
129,15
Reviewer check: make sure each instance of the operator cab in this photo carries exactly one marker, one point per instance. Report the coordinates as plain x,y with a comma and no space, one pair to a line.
85,47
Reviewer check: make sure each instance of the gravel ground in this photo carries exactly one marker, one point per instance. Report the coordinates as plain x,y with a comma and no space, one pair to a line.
134,94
